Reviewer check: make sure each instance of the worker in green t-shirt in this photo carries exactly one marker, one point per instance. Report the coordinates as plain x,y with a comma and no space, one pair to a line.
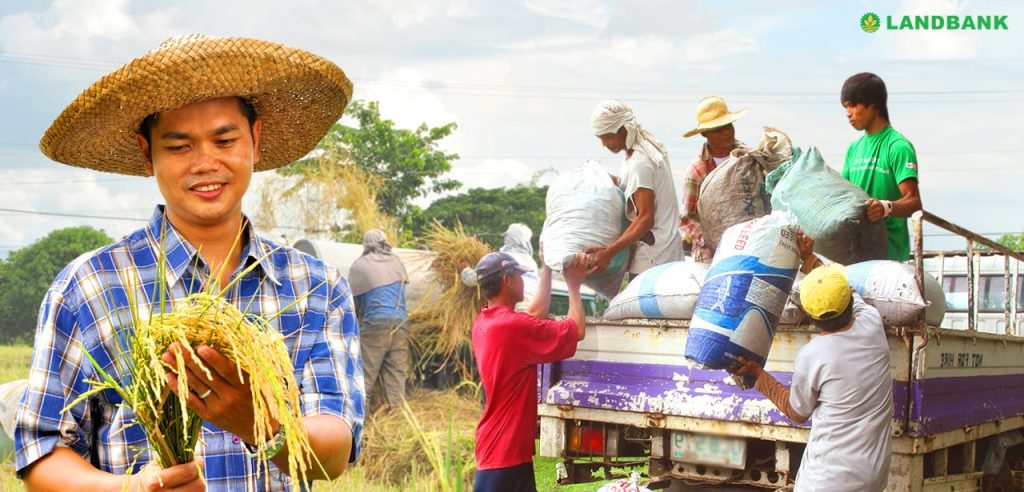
882,162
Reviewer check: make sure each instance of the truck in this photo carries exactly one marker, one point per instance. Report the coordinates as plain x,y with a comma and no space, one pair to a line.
628,398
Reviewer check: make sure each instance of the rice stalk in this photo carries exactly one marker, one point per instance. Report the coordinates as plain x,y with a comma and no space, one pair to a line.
443,329
203,318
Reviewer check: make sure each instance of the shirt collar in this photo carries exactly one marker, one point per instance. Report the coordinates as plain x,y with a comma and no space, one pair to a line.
181,255
705,153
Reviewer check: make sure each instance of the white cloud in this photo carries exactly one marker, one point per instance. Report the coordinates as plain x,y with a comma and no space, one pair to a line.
929,45
587,12
404,14
719,45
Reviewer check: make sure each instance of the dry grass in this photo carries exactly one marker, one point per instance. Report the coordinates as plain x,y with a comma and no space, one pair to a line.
315,197
443,329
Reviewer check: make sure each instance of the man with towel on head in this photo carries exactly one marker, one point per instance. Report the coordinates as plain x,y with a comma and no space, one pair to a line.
646,181
378,279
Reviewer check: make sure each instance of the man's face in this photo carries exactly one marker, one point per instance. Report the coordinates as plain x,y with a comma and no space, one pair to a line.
721,137
202,156
614,142
859,115
515,285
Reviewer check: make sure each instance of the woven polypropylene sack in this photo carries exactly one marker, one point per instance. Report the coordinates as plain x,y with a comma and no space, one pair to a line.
828,208
744,292
585,210
735,191
667,291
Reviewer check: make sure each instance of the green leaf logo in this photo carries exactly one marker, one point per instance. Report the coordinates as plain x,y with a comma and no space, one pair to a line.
870,22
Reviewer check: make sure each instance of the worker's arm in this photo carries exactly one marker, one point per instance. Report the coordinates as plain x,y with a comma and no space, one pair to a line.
643,201
904,207
542,299
770,387
64,469
574,274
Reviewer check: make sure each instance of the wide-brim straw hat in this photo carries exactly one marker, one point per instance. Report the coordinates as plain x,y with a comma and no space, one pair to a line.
712,113
297,95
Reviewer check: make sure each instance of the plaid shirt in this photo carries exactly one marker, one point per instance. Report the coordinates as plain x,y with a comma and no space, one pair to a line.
84,309
689,222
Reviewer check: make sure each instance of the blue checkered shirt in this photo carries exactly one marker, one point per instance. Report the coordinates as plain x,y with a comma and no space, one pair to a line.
87,303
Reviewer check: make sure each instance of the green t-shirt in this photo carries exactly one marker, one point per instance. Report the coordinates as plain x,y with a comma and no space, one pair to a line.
878,163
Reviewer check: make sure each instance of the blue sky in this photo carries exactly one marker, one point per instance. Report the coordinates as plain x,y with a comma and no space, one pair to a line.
521,78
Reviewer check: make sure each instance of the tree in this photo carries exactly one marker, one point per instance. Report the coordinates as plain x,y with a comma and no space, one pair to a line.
486,213
1012,241
28,272
409,163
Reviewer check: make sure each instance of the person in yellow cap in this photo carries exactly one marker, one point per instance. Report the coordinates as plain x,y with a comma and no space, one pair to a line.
199,115
715,124
842,379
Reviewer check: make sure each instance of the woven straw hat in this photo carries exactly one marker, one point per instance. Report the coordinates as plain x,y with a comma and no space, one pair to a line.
713,113
297,95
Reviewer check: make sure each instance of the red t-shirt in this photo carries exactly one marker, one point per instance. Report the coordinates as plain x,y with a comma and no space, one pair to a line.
508,346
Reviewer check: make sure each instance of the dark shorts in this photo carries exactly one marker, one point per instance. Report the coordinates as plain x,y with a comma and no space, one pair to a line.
517,478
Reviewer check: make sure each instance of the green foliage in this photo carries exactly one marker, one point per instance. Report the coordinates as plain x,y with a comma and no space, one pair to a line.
28,272
1012,241
486,213
408,162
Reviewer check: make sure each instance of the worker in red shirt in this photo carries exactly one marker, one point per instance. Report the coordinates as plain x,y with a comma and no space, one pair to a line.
508,345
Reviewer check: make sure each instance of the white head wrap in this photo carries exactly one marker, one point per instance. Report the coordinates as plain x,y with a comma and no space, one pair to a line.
517,244
611,115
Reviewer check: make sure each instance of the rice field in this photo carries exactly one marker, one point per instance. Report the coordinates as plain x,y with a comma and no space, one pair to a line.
387,449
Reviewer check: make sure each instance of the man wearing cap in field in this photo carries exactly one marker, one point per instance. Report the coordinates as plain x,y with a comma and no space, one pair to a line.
646,181
715,124
842,381
378,279
508,345
200,115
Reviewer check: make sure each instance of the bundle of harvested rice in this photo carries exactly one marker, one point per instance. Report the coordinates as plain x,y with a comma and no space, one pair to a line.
404,442
204,319
444,328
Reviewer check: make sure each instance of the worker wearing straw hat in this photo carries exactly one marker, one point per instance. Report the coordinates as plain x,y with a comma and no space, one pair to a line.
841,381
715,124
508,345
198,114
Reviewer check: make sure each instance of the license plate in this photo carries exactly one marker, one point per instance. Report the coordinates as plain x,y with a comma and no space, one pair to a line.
728,452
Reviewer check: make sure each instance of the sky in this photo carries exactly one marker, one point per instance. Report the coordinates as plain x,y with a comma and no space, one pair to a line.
522,78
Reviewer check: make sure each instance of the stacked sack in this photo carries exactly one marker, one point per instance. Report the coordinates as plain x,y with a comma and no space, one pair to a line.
735,191
585,210
829,208
744,292
667,291
891,287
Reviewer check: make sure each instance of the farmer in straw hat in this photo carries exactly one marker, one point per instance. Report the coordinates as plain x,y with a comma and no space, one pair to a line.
842,379
256,106
714,123
646,181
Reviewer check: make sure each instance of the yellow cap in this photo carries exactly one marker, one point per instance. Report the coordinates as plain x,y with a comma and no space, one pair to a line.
825,293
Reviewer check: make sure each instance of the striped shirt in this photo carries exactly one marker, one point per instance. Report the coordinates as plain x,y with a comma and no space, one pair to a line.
86,309
689,223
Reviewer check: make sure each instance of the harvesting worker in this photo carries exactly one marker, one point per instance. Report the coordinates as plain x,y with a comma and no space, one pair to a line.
841,380
257,106
378,279
508,345
715,124
645,179
882,162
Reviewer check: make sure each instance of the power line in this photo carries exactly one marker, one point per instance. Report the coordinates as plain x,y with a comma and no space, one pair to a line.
75,216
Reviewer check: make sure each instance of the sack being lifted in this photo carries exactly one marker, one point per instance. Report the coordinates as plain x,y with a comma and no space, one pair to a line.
735,191
667,291
829,208
744,292
585,210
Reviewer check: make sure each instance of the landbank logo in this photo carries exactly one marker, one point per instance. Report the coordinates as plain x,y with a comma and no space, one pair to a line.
872,22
